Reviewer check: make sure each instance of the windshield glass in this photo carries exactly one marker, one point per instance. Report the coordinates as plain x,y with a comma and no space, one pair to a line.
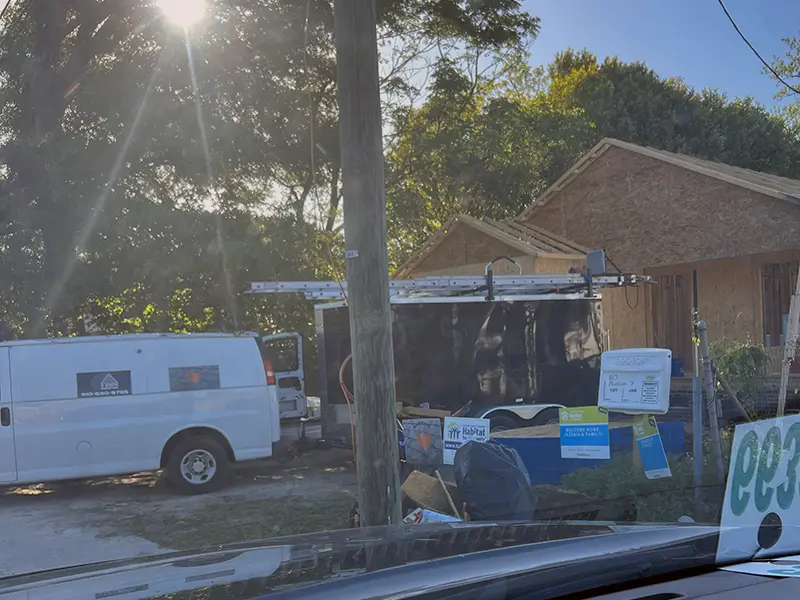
286,267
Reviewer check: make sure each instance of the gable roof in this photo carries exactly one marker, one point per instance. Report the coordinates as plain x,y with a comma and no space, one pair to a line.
778,187
528,239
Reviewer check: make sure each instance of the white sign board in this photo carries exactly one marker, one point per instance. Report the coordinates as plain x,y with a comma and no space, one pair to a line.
761,508
458,431
635,381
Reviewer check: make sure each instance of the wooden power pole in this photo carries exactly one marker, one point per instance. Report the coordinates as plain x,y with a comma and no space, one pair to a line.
361,143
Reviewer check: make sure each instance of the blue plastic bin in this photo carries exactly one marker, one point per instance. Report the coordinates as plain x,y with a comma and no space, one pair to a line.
542,456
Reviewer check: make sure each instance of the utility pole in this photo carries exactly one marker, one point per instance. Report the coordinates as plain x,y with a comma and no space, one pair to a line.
360,136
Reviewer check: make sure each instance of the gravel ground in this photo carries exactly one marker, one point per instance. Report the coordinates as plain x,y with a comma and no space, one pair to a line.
69,523
47,537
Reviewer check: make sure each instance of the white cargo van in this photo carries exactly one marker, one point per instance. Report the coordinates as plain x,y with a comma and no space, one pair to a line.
106,405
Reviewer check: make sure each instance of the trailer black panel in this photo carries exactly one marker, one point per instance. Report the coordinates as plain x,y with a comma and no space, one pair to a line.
490,353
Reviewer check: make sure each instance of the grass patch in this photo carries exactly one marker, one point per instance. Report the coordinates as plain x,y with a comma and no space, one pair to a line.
241,520
622,482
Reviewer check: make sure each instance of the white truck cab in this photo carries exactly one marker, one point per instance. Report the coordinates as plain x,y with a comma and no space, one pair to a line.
106,405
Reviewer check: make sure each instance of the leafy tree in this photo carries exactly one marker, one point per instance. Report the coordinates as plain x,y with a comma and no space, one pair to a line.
477,150
147,175
630,102
788,67
488,143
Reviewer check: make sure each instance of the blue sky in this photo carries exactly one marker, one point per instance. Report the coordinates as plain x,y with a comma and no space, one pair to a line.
688,38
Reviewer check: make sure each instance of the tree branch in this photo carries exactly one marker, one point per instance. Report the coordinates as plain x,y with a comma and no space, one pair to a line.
333,202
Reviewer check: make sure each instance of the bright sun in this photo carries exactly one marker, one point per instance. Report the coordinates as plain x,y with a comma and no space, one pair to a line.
183,13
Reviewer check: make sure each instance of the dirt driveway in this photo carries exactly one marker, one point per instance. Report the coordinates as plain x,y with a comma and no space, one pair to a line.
70,523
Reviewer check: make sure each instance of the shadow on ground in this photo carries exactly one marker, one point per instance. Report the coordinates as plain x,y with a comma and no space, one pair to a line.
286,465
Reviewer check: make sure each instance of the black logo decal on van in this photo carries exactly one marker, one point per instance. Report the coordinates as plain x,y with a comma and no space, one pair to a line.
204,377
104,383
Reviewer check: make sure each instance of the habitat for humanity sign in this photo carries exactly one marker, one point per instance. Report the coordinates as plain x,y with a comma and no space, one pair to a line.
584,432
459,431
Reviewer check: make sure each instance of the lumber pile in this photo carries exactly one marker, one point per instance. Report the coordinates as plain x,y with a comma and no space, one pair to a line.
405,411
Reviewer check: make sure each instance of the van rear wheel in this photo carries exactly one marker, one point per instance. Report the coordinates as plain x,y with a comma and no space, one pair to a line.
197,465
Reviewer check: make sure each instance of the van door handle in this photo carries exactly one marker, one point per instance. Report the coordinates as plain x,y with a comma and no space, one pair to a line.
5,416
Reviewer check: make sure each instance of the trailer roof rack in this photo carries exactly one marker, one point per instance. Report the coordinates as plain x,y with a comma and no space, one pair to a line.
464,288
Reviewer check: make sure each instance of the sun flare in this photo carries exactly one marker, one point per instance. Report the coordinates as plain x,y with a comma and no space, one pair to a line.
183,13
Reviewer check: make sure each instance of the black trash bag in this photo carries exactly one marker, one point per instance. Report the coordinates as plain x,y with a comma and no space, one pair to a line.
494,483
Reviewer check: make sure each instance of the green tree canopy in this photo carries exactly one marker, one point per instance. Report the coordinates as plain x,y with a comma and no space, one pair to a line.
487,143
147,174
788,67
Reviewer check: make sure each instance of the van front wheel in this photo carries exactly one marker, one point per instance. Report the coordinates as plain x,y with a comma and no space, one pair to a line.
197,465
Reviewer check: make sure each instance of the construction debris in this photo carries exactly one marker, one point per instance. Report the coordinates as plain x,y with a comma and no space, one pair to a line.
423,515
427,492
493,483
417,412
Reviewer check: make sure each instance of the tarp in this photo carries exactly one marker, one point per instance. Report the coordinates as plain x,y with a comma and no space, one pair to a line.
493,482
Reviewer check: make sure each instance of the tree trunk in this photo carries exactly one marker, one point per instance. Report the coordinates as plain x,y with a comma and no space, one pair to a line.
333,202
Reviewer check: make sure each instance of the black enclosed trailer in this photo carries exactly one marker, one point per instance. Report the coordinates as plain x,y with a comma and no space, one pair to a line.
509,348
485,354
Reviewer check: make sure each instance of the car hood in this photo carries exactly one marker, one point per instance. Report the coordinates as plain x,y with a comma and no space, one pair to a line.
249,570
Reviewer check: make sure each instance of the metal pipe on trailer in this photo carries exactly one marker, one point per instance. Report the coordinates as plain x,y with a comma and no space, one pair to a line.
711,403
697,408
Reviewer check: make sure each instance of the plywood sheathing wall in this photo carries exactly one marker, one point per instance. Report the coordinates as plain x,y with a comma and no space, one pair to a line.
463,246
500,268
730,294
530,266
647,213
729,301
552,265
625,317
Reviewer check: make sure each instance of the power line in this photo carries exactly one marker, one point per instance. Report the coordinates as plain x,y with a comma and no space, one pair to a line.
746,41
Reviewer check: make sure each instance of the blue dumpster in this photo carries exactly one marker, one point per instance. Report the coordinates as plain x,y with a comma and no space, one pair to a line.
542,455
